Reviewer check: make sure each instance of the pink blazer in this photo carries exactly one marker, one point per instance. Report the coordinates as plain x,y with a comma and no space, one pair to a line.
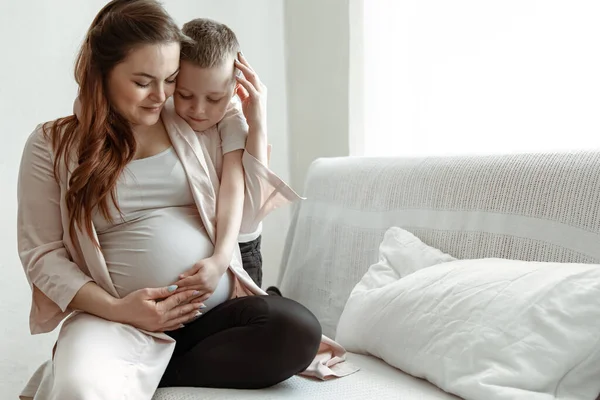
58,265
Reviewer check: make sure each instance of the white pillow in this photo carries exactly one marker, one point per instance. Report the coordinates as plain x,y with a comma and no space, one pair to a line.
481,329
400,253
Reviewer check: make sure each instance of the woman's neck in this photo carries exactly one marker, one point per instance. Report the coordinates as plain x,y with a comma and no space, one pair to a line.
150,140
142,131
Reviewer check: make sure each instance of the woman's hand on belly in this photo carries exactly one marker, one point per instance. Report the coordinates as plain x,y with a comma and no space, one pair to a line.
204,276
159,309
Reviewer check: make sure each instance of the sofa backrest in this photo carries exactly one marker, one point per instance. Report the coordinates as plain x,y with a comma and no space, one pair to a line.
543,207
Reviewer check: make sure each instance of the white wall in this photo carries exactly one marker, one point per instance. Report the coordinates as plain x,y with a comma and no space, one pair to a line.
317,46
440,77
473,77
39,40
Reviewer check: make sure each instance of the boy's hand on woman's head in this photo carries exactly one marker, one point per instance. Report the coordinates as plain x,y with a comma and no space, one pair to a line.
252,93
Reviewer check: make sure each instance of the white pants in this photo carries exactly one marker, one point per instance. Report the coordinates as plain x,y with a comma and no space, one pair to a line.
96,359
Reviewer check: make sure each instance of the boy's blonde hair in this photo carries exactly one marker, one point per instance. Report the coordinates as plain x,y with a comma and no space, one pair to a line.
213,43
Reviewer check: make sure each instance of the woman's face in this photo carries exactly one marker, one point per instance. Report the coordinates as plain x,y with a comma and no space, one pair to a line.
139,86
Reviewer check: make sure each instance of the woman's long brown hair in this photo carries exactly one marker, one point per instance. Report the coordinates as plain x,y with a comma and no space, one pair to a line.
98,139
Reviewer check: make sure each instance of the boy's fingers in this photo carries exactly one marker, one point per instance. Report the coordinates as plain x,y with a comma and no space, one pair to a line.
187,282
249,74
242,93
247,85
190,272
244,61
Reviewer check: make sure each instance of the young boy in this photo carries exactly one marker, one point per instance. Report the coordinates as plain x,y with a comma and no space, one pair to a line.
207,83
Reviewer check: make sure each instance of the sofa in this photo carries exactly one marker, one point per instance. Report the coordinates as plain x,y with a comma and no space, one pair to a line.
532,207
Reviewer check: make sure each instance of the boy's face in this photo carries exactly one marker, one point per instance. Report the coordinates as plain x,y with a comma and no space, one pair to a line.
203,94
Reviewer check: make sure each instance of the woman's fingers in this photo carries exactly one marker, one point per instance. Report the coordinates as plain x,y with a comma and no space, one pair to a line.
175,300
173,328
159,293
171,316
184,319
201,299
201,295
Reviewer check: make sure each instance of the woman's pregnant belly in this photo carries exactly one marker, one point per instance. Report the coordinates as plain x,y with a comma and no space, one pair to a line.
152,249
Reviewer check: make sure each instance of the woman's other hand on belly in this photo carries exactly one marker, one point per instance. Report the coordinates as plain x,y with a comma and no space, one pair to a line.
203,277
159,309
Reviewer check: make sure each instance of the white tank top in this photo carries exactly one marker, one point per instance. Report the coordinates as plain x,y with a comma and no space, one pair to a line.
160,234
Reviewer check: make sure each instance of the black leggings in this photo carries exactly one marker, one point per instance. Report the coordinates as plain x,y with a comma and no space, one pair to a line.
245,343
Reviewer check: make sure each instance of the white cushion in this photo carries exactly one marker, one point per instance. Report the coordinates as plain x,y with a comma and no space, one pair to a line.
482,329
400,254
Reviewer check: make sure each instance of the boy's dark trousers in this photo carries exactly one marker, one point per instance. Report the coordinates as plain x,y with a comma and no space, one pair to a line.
252,260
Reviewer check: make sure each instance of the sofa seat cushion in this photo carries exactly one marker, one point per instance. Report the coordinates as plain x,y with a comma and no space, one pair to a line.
375,380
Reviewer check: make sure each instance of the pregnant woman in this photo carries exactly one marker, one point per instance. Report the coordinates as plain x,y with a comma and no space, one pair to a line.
119,200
